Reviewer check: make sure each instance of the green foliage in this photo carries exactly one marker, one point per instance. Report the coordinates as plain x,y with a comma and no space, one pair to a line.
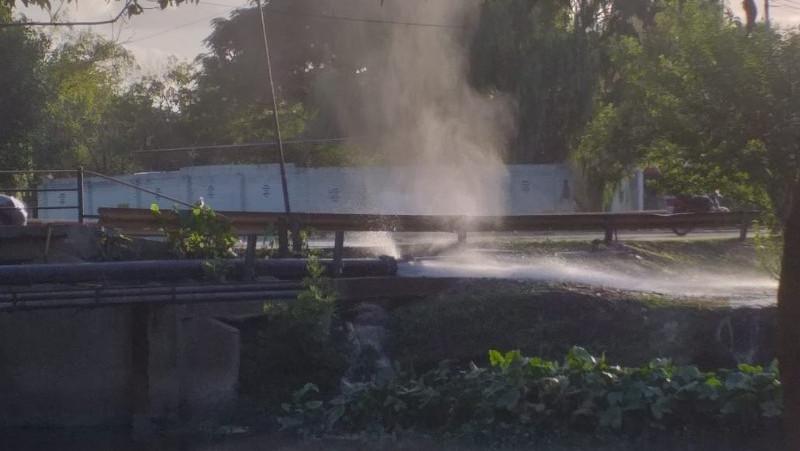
24,90
198,234
549,56
769,249
311,60
707,104
132,7
518,398
613,84
316,303
297,343
151,112
216,269
84,77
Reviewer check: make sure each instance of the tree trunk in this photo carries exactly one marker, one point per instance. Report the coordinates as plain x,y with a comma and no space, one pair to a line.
789,324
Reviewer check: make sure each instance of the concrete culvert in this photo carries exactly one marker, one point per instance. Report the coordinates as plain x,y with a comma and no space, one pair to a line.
12,211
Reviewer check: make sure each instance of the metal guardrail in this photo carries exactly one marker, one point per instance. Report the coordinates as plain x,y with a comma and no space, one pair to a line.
142,221
78,189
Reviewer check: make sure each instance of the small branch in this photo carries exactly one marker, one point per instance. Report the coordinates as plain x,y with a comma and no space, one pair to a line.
70,24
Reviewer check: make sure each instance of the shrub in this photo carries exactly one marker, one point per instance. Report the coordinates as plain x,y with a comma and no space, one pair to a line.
518,398
768,243
294,341
198,234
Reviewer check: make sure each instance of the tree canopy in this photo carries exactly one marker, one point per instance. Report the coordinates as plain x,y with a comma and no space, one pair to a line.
611,85
707,104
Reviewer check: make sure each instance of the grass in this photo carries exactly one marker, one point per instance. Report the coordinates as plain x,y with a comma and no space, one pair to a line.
546,320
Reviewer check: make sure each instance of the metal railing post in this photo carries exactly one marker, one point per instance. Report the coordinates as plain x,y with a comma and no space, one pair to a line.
338,253
80,195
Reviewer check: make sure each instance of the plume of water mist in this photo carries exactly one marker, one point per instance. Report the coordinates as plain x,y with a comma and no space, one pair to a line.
735,287
380,241
414,106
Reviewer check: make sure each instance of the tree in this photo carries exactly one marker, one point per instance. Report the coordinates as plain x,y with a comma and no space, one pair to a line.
709,105
131,7
788,320
22,84
311,58
552,57
150,113
84,76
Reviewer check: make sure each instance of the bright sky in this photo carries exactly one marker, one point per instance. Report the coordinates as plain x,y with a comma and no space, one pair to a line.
155,35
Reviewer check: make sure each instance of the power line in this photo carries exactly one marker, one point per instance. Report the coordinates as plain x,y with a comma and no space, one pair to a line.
242,146
183,25
796,8
69,24
288,13
222,5
170,30
364,20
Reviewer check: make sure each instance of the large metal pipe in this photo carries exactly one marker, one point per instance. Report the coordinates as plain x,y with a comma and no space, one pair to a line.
154,270
15,293
186,298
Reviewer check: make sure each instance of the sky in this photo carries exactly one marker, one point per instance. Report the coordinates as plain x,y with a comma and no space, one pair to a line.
157,34
152,36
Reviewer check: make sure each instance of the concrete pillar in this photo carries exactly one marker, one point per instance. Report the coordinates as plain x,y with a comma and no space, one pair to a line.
185,364
141,423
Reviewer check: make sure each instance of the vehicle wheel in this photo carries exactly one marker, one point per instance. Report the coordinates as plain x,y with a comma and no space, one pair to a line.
681,231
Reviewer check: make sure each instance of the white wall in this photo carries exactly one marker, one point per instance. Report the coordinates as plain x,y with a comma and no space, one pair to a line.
629,195
524,189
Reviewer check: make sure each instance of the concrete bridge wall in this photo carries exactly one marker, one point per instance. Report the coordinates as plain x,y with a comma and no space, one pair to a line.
122,365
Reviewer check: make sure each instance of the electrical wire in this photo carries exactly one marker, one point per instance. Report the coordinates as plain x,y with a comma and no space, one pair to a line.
242,146
364,20
796,8
171,29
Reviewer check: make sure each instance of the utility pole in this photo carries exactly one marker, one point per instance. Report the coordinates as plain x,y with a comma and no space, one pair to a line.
766,12
277,122
282,231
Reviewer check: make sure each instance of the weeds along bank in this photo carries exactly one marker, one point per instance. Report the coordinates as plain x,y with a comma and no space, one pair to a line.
520,400
547,320
647,370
